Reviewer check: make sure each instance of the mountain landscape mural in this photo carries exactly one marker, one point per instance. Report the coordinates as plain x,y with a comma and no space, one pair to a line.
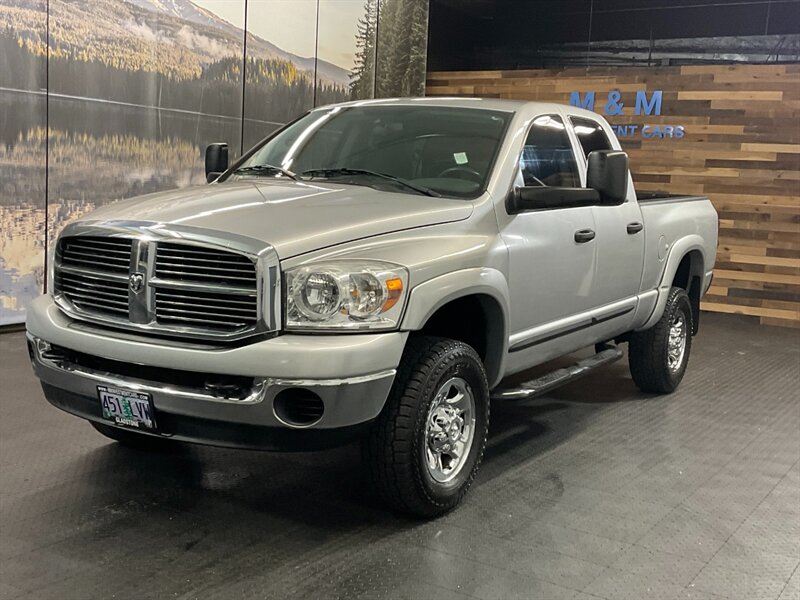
175,39
134,90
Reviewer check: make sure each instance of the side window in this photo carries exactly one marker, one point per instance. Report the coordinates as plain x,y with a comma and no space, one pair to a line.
547,158
590,134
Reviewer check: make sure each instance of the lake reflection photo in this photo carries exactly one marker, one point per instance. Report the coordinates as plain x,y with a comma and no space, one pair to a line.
120,99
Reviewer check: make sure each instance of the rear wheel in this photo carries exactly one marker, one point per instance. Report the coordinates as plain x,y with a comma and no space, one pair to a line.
426,445
659,355
132,439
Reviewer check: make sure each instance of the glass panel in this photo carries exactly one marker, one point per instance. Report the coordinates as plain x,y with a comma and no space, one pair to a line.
449,150
346,50
280,65
402,48
23,47
547,158
136,93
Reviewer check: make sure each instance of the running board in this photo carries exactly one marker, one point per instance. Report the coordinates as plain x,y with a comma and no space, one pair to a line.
550,381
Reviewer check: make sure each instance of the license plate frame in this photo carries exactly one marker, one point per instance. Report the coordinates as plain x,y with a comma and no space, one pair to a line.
127,408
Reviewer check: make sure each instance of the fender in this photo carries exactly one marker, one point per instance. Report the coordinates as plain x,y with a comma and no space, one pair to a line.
428,297
679,249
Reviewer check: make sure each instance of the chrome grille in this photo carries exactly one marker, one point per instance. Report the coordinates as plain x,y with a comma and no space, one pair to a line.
206,265
93,274
137,276
94,293
110,255
226,299
193,307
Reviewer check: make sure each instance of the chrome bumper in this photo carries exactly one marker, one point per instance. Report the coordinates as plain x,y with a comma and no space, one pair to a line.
350,399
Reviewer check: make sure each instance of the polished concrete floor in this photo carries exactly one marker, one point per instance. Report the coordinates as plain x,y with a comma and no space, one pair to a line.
596,491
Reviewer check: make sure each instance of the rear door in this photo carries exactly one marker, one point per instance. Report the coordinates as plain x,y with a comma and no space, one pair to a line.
619,229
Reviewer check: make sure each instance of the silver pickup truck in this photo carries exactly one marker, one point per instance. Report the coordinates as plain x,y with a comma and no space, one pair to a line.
373,270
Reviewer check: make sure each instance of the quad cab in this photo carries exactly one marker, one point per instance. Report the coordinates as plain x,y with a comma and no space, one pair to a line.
373,270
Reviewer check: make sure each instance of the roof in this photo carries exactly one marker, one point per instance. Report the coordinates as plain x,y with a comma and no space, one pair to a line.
460,102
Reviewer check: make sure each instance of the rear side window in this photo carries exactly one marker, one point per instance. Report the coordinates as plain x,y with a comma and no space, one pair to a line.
547,158
590,135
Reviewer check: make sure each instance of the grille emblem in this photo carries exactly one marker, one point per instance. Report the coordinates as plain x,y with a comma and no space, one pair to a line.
136,282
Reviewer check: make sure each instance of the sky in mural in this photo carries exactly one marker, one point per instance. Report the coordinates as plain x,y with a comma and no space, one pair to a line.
295,15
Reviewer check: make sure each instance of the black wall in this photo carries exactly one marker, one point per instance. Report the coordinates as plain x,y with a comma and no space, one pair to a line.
509,34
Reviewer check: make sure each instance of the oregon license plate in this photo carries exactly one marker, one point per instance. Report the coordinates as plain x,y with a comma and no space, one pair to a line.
127,408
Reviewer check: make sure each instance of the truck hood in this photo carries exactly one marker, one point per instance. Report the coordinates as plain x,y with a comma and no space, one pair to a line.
294,217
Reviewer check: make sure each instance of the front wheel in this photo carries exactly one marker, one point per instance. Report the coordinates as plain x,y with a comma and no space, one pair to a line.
658,356
425,447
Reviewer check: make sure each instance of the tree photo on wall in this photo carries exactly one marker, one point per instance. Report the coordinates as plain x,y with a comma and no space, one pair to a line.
362,76
392,47
135,89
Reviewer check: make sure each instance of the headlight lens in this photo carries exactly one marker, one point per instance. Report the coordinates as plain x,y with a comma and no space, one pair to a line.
345,295
318,297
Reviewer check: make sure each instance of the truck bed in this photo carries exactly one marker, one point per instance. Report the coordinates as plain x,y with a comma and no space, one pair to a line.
644,197
670,219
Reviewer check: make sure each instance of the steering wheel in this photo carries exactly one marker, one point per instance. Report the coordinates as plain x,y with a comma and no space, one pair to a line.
471,173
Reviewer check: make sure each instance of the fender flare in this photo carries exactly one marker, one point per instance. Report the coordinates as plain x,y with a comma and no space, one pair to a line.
428,297
679,249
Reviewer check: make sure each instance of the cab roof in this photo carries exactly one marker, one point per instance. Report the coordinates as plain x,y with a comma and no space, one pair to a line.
469,102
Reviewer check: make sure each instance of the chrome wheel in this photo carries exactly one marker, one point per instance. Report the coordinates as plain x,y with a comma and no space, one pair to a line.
676,343
449,430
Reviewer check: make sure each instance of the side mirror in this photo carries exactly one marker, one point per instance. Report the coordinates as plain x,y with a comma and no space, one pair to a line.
524,199
608,174
216,161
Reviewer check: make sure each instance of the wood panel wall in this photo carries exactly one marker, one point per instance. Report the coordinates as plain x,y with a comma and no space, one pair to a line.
741,148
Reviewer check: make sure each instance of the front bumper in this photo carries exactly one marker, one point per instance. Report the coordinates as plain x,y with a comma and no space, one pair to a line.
350,374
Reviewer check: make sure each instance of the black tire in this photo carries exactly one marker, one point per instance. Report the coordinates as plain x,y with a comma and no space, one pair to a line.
132,439
396,448
648,351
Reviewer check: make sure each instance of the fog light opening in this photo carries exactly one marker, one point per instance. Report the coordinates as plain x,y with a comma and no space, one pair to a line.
298,407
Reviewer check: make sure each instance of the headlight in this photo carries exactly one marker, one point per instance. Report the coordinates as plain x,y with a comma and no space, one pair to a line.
345,295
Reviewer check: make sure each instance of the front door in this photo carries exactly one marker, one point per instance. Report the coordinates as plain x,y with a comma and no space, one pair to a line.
552,256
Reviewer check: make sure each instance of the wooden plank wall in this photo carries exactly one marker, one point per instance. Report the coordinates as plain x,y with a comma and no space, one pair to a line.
741,148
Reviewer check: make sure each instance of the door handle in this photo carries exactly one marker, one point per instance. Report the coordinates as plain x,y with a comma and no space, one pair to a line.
584,235
634,227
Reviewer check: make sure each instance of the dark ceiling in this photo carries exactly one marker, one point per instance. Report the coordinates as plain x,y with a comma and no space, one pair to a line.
486,34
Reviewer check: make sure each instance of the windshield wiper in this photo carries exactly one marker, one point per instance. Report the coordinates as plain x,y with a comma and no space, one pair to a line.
347,171
264,168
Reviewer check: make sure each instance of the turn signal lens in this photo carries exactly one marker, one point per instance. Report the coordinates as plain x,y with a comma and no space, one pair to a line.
394,288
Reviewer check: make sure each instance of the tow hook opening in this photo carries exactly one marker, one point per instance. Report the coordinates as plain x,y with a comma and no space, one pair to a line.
226,389
298,407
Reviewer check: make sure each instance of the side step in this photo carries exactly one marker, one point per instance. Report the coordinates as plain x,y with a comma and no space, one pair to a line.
550,381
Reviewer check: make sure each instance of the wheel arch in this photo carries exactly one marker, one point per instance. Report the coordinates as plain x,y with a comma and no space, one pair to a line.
689,276
444,305
684,268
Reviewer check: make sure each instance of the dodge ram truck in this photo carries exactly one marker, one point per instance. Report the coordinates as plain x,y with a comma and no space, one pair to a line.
373,270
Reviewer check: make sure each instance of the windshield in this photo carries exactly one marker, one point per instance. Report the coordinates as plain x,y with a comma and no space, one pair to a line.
433,150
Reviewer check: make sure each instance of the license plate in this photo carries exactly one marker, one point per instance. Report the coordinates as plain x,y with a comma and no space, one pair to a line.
127,408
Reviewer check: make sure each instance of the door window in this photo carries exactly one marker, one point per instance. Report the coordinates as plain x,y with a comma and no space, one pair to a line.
547,158
591,135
